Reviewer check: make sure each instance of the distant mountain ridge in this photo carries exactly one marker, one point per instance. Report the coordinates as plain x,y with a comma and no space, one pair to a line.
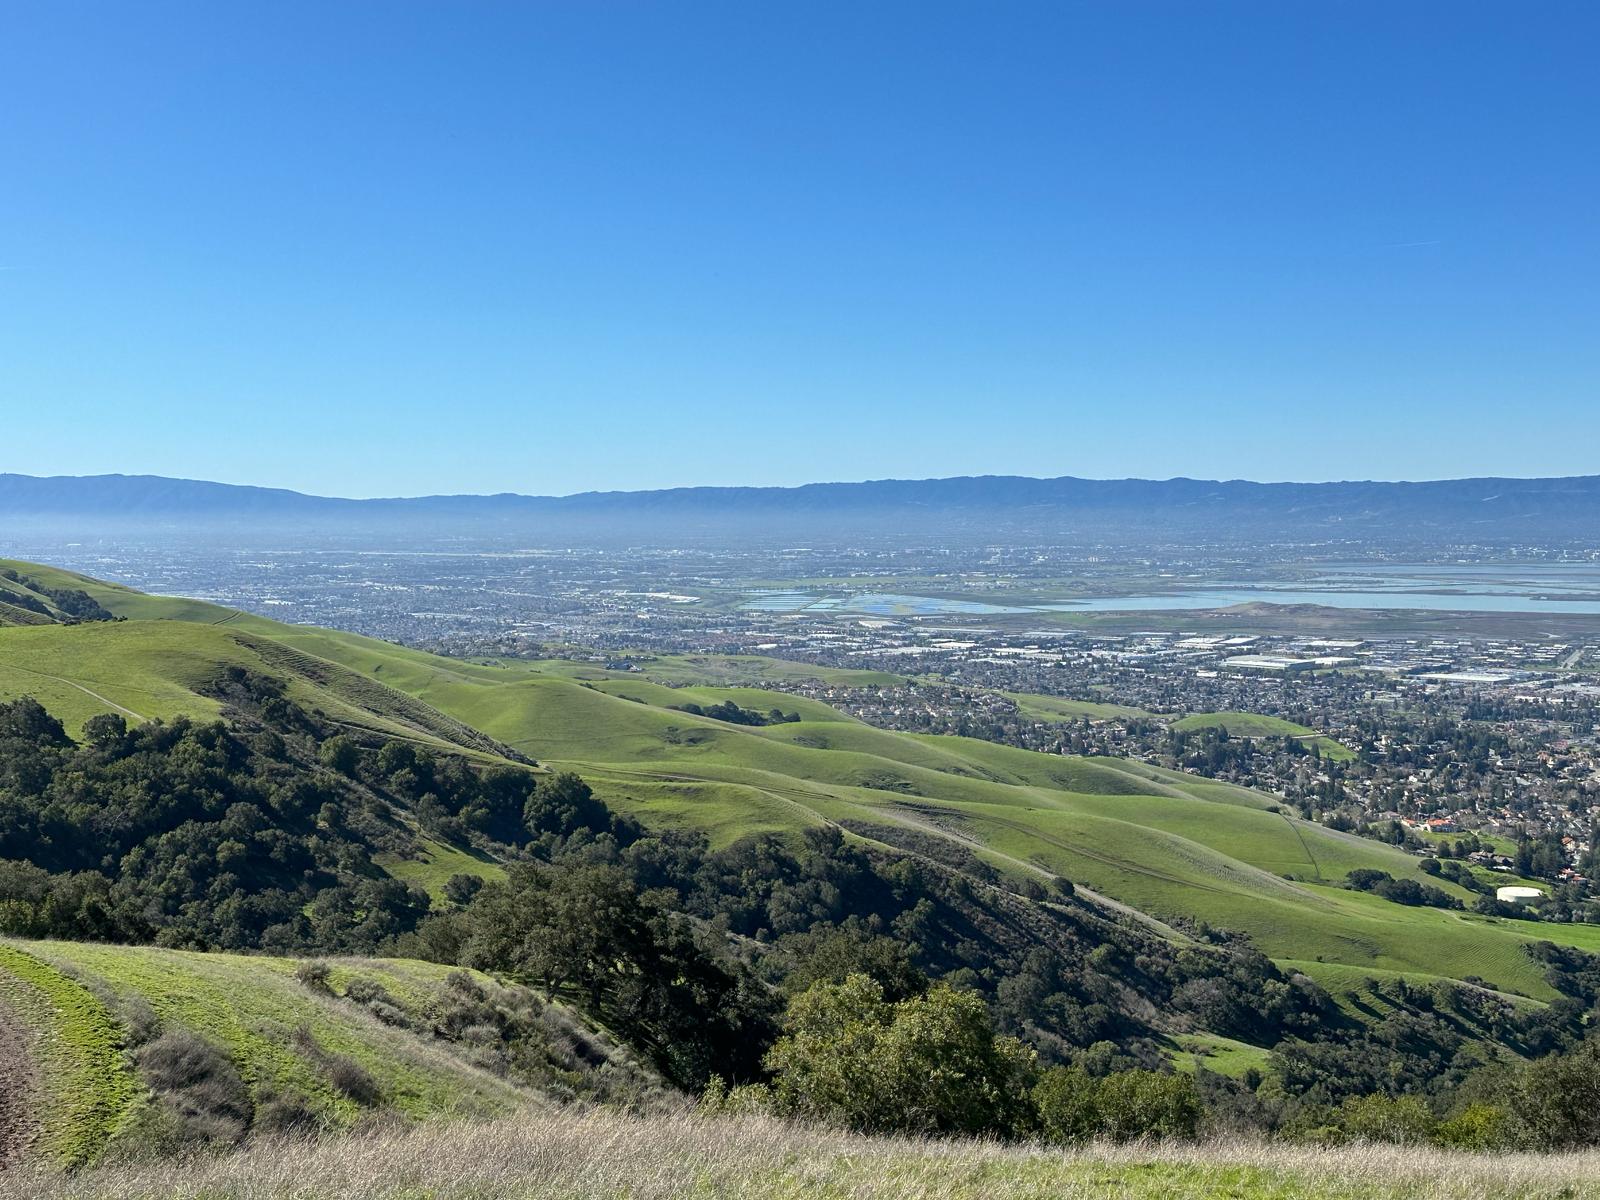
1492,508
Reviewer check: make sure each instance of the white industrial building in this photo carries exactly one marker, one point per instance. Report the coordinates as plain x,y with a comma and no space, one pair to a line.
1267,662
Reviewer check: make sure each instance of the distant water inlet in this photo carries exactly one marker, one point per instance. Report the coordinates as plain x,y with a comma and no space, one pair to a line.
877,604
1480,588
1433,601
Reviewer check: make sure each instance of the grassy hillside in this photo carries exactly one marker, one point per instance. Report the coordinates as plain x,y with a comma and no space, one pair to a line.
147,668
1165,843
579,1156
1055,708
28,599
71,1091
373,1039
753,670
1255,725
1242,724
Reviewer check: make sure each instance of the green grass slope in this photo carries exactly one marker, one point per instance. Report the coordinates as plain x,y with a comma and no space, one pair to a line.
1163,842
147,668
437,862
1160,841
22,602
80,1090
88,1008
125,601
737,670
1055,708
1255,725
1241,724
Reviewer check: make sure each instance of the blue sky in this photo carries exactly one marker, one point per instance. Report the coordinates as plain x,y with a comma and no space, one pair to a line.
395,248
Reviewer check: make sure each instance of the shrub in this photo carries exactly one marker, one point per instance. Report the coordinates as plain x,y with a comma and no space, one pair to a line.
368,992
352,1079
347,1076
315,975
1403,1120
1074,1106
1479,1127
278,1114
138,1018
719,1100
927,1064
377,1000
1067,1100
199,1084
1561,1098
340,754
460,888
1138,1104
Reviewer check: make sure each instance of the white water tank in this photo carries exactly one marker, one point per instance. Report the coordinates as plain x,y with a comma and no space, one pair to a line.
1518,895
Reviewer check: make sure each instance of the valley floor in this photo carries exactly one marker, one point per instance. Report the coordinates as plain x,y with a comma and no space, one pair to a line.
575,1155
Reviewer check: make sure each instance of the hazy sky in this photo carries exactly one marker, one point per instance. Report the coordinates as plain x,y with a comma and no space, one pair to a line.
392,248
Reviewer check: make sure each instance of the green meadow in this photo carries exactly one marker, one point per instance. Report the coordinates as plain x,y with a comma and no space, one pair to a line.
82,1000
1255,725
1055,708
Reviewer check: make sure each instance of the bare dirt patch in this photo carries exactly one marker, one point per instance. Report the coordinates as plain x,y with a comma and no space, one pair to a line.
17,1084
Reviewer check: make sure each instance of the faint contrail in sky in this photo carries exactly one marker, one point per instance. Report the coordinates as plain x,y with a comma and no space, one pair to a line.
1402,245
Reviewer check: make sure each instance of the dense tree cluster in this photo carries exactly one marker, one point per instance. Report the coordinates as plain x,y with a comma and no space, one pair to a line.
256,834
1400,891
1550,1103
651,974
733,714
932,1064
925,1064
1058,972
1069,984
188,834
1541,857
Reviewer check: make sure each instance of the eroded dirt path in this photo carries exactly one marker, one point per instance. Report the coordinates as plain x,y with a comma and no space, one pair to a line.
17,1083
72,683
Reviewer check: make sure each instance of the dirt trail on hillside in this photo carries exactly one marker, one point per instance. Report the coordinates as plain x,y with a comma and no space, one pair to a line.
17,1082
84,690
18,1087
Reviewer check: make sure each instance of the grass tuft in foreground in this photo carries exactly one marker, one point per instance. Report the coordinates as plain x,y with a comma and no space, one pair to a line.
596,1154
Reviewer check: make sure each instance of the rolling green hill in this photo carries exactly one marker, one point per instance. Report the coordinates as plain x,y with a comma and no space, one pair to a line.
147,667
1169,845
1242,724
27,599
1055,708
275,1047
1255,725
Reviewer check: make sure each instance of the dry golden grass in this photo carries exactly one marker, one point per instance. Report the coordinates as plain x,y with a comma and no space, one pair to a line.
568,1155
